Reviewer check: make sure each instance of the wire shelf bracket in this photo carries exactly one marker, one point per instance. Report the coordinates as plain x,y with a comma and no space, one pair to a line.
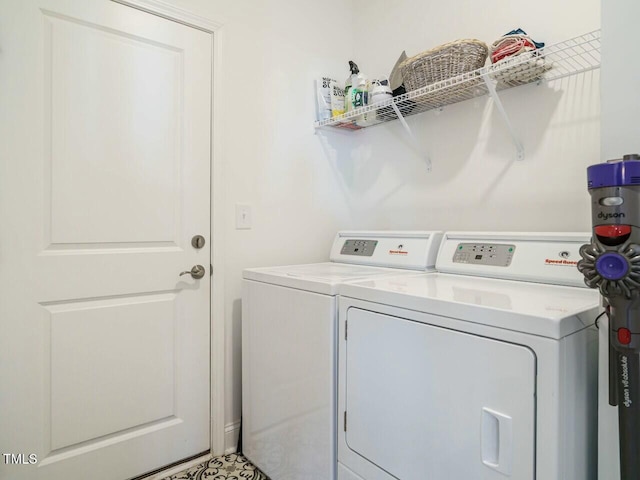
491,87
412,138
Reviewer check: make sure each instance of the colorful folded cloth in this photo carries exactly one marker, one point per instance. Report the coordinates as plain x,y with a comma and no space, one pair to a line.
519,31
513,43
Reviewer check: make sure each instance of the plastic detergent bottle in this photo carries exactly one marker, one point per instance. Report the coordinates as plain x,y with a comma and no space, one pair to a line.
360,92
352,80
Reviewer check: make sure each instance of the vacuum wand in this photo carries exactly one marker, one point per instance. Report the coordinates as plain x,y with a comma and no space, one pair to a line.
624,380
612,263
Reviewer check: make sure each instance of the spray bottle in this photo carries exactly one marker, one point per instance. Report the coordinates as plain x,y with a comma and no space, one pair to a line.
612,263
352,81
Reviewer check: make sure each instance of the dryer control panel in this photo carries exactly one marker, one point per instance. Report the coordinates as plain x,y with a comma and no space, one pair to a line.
494,254
542,257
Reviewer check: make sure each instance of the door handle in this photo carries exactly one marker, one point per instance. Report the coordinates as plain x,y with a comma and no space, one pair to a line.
197,272
497,441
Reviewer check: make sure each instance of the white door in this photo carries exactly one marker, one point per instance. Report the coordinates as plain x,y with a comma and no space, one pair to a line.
428,402
104,179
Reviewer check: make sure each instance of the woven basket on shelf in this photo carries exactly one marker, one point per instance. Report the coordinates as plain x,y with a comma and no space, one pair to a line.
442,62
520,69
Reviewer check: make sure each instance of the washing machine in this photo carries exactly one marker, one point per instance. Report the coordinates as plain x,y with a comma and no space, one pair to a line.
484,370
289,348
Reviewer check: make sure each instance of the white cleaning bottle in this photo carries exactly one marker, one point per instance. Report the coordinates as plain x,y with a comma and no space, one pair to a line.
352,81
360,91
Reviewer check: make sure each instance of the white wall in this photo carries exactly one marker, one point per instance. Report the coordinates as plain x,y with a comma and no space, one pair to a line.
304,186
620,79
476,182
620,135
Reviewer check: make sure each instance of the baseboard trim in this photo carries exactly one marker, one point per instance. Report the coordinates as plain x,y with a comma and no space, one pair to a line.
231,434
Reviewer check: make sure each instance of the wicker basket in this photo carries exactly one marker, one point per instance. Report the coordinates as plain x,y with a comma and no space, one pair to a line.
520,69
445,61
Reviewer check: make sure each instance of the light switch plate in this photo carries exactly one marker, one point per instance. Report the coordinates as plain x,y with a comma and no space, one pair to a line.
243,216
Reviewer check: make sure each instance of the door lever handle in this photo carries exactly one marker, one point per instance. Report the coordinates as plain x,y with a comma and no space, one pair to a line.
197,272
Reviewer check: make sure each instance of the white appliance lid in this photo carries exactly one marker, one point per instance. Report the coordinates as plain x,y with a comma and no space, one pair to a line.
357,255
318,277
329,272
547,310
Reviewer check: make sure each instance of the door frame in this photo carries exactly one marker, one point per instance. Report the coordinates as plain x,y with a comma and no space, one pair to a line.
217,304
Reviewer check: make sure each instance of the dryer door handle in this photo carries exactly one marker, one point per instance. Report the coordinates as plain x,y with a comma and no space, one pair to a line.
496,443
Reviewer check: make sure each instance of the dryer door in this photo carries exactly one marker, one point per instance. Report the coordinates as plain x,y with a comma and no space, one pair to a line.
427,402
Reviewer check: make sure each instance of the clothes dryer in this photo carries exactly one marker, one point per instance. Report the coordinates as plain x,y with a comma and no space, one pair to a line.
485,370
289,348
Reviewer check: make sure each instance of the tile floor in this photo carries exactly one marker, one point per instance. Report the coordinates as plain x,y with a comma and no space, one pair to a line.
226,467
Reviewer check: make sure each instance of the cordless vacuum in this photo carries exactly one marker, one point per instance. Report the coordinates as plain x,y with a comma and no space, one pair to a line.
612,263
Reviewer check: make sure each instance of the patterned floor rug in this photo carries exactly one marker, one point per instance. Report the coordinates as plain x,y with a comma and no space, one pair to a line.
225,467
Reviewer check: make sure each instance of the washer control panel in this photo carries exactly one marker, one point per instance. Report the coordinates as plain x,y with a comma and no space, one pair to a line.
494,254
364,248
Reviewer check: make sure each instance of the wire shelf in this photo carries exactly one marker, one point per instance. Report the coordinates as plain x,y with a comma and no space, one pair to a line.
571,57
